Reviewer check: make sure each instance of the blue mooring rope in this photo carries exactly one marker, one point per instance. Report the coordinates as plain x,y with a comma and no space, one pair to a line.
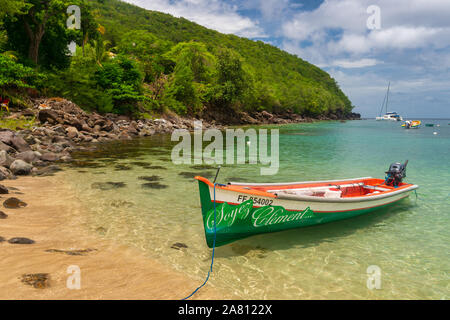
214,246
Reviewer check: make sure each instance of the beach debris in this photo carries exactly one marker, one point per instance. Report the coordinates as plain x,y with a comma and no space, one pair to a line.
81,252
178,246
154,185
14,203
20,240
3,215
36,280
108,185
150,178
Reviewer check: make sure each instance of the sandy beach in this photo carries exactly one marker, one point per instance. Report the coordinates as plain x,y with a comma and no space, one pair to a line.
55,220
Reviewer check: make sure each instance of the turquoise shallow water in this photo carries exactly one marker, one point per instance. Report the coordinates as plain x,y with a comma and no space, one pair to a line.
409,241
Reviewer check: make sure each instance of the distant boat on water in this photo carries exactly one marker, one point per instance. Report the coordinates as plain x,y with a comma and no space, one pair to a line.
392,115
412,124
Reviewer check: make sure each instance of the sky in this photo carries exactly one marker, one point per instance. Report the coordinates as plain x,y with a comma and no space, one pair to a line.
363,44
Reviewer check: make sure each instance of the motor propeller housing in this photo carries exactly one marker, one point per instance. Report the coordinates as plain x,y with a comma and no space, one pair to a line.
396,173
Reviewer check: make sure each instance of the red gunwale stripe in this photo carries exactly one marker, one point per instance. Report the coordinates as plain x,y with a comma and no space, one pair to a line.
235,204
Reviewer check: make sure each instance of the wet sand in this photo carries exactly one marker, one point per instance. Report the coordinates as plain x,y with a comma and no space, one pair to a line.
55,219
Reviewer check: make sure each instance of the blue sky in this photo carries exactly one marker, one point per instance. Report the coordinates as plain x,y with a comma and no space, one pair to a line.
410,46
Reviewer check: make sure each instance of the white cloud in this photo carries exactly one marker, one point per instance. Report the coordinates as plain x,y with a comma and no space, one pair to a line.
355,63
213,14
404,25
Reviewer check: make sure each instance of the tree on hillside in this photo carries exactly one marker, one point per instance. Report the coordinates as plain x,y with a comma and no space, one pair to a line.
35,22
12,7
193,72
41,34
194,56
232,79
149,50
89,26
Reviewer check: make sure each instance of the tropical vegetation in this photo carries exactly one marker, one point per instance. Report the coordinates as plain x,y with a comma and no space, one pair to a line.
130,60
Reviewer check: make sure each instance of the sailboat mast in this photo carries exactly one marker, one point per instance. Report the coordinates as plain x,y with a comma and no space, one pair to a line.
387,96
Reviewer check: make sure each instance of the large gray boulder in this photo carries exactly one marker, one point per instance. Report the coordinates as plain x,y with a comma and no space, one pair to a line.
20,167
5,173
5,159
28,156
49,156
72,132
12,139
4,146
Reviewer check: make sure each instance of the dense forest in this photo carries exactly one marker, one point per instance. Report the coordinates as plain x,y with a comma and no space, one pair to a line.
133,61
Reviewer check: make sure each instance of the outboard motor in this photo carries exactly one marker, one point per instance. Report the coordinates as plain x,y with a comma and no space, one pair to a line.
395,174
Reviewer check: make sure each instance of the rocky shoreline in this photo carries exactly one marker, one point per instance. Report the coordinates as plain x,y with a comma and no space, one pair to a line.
64,127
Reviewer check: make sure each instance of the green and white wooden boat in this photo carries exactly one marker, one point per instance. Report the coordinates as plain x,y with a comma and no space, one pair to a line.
243,209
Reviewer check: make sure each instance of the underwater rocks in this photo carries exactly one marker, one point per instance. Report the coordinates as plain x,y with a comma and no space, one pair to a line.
14,203
179,246
120,167
20,240
3,189
249,251
108,185
150,178
121,203
36,280
191,175
145,165
81,252
46,171
3,215
154,185
156,167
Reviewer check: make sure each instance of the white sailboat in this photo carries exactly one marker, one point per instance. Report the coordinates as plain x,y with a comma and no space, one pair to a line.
392,115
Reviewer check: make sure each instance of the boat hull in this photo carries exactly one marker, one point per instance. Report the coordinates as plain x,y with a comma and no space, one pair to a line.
238,215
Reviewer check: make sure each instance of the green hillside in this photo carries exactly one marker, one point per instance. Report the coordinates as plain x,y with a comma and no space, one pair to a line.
291,81
135,61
